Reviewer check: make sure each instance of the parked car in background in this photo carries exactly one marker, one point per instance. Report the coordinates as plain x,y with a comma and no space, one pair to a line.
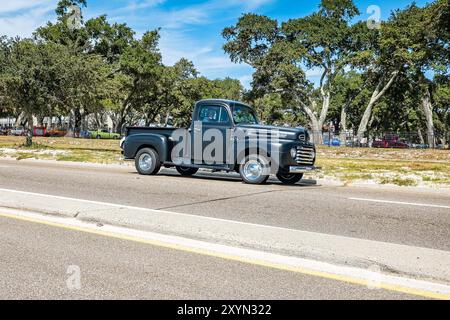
4,131
39,131
419,146
335,142
390,141
19,131
56,133
103,134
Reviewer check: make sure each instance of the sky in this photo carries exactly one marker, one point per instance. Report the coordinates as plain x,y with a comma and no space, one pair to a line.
189,28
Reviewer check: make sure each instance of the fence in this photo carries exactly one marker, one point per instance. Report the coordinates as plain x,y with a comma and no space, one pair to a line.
418,140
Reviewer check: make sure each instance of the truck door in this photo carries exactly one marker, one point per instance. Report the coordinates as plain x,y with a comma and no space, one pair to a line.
210,134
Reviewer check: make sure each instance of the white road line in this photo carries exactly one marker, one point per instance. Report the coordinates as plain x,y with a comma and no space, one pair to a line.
402,203
114,205
354,275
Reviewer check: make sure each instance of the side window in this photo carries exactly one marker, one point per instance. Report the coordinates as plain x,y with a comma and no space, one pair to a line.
213,114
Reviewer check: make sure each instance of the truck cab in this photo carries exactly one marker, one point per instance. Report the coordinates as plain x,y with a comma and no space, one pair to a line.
225,136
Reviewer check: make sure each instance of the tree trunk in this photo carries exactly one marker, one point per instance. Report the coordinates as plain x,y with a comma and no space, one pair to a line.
316,127
166,121
119,124
120,118
428,110
376,95
29,139
421,140
19,119
343,128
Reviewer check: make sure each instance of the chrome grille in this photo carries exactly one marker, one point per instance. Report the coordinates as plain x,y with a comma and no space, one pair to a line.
305,155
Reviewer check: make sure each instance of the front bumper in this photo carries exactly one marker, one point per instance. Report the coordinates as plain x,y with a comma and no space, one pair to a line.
303,169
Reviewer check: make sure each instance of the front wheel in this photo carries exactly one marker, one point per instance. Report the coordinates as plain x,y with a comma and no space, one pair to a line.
289,178
255,169
147,162
186,171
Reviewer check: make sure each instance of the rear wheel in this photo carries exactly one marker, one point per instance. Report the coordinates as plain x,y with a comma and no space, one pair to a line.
147,162
186,171
289,178
255,169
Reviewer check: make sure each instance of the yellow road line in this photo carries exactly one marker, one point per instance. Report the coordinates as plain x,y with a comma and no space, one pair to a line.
320,274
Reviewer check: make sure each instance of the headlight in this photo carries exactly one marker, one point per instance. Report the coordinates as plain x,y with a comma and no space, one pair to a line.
294,153
304,136
121,142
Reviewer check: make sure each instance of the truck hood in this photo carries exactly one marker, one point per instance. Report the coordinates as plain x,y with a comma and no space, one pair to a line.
285,132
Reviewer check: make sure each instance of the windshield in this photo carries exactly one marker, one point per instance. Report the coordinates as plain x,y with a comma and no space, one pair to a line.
244,115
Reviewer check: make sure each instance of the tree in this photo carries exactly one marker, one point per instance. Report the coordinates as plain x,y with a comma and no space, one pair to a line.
348,98
82,85
69,28
406,46
108,40
372,55
4,53
278,54
441,107
141,62
323,40
30,78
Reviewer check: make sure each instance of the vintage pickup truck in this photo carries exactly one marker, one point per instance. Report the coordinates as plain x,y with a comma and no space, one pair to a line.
224,136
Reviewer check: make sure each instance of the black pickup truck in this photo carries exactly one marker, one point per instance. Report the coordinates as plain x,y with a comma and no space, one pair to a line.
224,136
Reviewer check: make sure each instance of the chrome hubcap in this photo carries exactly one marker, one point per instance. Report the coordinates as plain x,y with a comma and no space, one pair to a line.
145,161
253,170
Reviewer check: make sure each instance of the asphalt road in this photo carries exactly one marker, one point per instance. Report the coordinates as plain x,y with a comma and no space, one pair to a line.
36,262
307,207
34,258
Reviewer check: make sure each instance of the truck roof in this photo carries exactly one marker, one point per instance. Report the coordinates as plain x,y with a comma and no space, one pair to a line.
226,101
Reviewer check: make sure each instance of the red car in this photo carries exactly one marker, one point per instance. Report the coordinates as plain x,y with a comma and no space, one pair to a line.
390,141
39,131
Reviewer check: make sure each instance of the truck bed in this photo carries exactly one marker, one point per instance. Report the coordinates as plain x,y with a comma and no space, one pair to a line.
156,130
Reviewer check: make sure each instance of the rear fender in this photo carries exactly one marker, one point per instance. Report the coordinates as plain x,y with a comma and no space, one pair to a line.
136,142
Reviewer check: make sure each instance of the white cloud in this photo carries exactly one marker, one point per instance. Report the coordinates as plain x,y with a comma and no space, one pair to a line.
176,45
136,5
23,23
207,54
209,61
16,5
254,4
198,14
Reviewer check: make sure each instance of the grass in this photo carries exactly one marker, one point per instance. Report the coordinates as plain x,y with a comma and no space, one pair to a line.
61,143
62,149
105,157
402,167
397,172
406,182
